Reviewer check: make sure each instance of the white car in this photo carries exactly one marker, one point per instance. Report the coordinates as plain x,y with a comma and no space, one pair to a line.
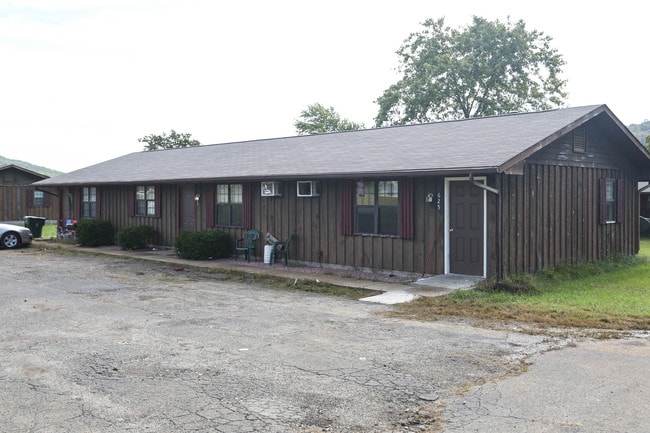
12,236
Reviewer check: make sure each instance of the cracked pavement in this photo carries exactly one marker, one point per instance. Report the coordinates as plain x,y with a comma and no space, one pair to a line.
95,343
597,386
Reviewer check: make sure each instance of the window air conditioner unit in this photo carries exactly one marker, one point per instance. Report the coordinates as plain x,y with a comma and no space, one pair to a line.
271,189
308,188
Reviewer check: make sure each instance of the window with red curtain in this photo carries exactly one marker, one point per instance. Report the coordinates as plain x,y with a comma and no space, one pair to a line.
229,205
406,204
36,198
347,207
382,207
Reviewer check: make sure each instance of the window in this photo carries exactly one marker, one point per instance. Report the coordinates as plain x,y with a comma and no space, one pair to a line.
145,200
89,202
229,205
39,199
36,198
377,207
611,200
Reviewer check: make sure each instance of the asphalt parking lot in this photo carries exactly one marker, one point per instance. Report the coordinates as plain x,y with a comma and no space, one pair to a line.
110,344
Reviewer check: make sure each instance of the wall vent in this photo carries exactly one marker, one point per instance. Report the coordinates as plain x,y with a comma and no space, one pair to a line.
579,140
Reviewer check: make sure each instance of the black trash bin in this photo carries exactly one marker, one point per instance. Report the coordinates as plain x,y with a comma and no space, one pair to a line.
35,224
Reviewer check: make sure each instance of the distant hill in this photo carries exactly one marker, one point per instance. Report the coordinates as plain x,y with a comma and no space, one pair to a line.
28,166
640,131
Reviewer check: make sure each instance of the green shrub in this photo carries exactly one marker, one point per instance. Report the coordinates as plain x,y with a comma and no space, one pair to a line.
95,233
135,238
211,244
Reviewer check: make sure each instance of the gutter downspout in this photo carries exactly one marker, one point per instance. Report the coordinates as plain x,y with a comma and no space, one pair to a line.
499,218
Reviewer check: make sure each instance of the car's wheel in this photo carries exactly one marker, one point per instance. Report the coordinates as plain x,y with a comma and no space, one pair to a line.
10,240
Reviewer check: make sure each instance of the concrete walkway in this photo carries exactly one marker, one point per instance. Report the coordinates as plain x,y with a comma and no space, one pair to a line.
391,293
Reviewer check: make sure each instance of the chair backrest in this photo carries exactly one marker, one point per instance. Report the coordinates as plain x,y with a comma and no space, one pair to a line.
283,245
251,236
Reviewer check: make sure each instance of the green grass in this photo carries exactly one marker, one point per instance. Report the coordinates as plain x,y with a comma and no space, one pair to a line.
610,294
49,231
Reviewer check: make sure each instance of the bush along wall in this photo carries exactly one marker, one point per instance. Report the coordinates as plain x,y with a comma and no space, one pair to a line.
135,238
95,233
205,245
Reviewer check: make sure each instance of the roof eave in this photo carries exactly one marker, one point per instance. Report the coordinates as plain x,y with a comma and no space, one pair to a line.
300,176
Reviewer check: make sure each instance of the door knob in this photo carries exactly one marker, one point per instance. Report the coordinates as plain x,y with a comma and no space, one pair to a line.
451,230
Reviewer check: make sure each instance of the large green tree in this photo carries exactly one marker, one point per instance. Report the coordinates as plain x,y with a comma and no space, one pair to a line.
484,69
172,141
318,119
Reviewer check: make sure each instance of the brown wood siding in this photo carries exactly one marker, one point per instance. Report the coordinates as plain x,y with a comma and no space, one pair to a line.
16,202
314,223
347,207
600,151
317,225
551,216
406,208
426,249
209,192
491,238
116,204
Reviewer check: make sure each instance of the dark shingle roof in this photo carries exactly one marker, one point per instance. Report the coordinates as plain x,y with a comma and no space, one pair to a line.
23,169
478,144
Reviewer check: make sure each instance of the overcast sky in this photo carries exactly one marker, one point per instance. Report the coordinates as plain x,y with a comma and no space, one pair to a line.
82,80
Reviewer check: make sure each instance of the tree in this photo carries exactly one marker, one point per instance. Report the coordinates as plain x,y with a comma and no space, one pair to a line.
317,119
172,141
641,132
485,69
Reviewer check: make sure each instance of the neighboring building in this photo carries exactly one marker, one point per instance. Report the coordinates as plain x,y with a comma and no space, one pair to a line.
483,196
18,198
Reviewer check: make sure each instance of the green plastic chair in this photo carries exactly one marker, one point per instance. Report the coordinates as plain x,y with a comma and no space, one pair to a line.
281,248
247,244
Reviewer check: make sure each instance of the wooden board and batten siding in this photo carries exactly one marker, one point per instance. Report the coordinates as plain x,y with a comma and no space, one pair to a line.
115,204
17,196
17,201
315,224
551,213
